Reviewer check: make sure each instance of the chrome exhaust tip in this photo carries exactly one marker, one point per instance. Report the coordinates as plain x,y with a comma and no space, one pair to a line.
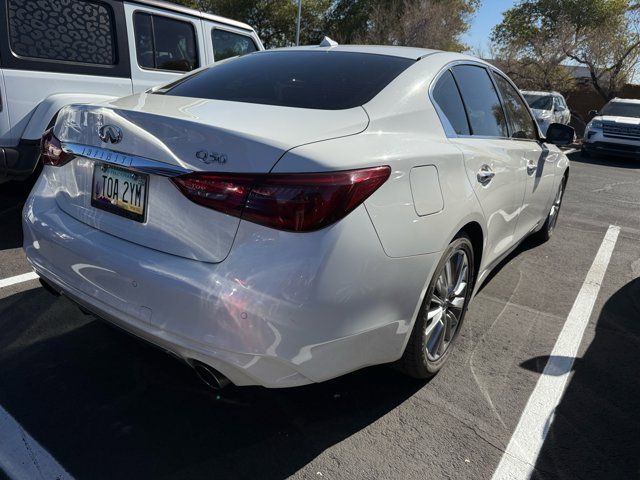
210,375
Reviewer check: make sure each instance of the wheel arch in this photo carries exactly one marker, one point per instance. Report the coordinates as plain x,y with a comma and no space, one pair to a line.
475,233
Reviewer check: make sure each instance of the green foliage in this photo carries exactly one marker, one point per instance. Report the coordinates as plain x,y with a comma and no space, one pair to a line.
422,23
602,35
419,23
273,20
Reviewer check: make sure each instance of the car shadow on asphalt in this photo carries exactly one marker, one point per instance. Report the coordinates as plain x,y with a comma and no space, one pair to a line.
12,198
108,406
595,432
606,161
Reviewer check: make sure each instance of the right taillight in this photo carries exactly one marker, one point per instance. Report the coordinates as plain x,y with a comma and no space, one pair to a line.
51,150
298,202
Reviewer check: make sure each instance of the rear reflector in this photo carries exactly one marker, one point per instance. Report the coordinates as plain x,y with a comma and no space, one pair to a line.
296,202
51,150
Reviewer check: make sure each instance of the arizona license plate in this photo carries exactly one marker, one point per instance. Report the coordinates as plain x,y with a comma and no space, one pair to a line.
119,191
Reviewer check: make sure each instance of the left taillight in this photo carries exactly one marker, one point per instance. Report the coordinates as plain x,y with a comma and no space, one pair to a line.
51,150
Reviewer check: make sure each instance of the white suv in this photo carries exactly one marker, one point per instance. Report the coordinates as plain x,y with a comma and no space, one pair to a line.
55,53
614,130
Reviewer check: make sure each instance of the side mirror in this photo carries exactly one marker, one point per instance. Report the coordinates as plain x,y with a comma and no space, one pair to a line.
560,134
593,113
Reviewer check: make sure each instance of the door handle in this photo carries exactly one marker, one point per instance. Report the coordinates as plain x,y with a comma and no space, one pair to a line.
485,175
531,167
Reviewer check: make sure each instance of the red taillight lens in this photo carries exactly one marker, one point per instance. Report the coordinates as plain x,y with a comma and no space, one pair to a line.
51,150
299,202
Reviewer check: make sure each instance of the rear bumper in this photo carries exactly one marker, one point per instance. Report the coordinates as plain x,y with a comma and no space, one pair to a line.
17,163
282,310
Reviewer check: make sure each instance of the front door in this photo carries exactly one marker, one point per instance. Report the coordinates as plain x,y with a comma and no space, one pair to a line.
538,168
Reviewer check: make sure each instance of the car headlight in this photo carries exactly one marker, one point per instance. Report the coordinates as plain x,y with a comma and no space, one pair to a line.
595,125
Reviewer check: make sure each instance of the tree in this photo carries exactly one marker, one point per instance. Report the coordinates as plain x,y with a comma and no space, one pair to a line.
536,36
418,23
273,20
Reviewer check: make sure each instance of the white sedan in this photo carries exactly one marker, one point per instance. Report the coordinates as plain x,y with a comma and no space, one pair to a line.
289,216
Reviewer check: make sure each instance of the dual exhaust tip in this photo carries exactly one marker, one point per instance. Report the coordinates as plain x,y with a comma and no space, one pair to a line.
209,375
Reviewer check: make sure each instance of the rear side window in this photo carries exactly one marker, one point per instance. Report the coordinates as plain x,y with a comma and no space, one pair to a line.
75,31
483,107
228,44
521,123
303,79
164,43
447,97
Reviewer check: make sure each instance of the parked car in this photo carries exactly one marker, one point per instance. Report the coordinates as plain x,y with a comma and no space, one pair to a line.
548,108
614,130
54,53
292,215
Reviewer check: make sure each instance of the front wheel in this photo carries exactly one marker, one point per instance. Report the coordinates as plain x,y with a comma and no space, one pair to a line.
549,226
442,312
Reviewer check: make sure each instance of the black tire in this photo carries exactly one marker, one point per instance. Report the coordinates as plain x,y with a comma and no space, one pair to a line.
546,232
416,361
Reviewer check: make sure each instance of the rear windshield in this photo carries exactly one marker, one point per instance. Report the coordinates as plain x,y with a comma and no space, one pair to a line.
321,80
618,109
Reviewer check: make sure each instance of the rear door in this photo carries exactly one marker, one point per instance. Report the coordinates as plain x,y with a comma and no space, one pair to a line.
539,163
493,162
163,45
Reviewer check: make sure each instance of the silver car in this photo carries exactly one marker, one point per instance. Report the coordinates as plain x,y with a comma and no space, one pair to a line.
548,108
292,215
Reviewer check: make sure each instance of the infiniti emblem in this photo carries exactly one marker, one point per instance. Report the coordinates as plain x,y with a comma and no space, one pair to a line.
110,134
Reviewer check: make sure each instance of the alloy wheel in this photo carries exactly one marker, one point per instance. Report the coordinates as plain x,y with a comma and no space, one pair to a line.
447,303
555,208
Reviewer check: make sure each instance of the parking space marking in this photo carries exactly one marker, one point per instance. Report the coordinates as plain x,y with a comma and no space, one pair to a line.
22,457
519,458
25,277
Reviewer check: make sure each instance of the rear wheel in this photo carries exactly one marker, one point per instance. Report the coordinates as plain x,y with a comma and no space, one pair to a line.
442,312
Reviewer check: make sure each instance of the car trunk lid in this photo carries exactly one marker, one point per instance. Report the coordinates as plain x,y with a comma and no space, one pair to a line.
181,134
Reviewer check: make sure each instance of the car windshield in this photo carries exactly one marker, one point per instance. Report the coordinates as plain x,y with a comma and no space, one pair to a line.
303,79
539,102
618,109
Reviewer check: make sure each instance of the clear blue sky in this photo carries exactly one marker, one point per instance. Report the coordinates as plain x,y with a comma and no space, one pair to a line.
488,15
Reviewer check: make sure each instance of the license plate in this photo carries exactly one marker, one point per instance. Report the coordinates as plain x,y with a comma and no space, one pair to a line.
119,191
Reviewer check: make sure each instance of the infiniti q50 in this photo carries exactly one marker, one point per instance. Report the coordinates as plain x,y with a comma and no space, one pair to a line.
289,216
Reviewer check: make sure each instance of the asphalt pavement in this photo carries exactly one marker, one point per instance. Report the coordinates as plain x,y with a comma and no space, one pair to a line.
104,405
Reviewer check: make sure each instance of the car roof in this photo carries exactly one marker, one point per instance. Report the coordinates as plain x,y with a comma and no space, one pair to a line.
404,52
192,12
534,92
624,100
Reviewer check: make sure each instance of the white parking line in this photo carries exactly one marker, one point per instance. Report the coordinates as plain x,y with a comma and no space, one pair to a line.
21,457
518,460
25,277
